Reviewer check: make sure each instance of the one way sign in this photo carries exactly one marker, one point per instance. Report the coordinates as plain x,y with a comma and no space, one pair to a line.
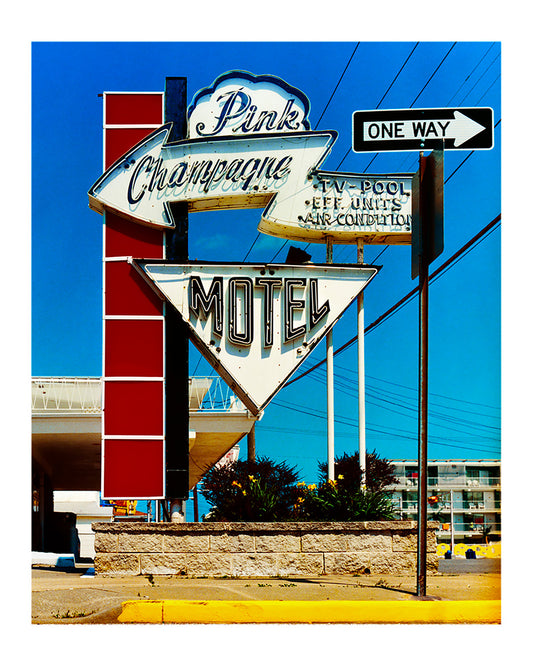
423,129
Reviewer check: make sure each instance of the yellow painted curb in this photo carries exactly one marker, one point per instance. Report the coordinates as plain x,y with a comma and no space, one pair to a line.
311,612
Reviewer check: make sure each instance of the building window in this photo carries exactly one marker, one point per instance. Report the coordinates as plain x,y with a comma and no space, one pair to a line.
473,499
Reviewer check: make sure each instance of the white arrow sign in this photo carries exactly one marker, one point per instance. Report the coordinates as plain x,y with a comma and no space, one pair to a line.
210,174
460,129
344,207
464,128
256,324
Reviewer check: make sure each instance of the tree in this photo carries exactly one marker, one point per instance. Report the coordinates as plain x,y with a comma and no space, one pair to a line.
379,472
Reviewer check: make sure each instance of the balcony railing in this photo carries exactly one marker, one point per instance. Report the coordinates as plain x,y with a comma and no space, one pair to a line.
66,395
444,507
473,527
451,482
83,395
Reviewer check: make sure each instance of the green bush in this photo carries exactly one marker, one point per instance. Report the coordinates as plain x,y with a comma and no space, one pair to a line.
263,490
340,501
248,490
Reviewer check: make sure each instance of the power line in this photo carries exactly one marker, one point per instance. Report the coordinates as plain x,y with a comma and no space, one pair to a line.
338,83
379,103
412,103
471,73
318,122
471,89
407,297
410,411
251,247
438,395
397,75
466,158
475,84
395,432
436,70
348,435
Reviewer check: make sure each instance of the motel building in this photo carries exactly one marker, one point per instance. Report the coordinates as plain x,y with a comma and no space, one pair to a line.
464,497
66,468
66,454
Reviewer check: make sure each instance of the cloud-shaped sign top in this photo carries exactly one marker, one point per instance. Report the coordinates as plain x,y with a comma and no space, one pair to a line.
240,103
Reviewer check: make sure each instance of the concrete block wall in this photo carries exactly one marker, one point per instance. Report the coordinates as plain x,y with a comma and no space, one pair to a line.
259,549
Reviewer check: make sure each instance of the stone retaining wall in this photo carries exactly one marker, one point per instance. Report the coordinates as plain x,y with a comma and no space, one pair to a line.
259,549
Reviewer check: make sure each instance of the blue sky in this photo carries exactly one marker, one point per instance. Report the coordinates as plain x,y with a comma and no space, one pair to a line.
465,322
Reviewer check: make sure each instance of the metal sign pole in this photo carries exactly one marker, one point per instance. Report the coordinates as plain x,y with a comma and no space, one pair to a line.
176,335
251,443
329,382
422,425
361,371
427,244
452,544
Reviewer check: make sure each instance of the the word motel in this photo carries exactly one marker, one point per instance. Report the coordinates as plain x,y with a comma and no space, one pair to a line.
299,296
256,323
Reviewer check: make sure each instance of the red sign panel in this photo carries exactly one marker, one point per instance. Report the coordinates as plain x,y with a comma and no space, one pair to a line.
133,468
133,444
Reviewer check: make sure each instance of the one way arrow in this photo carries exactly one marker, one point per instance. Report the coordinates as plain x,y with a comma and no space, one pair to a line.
416,129
219,172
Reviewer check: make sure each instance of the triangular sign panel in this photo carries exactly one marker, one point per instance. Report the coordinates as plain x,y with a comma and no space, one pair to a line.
256,323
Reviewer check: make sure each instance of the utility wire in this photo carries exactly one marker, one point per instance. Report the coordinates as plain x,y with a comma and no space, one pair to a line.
395,432
412,103
338,83
471,73
251,246
381,399
475,84
436,70
379,104
407,297
318,122
437,395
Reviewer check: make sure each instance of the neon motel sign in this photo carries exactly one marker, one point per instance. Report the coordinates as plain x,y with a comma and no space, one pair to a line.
249,145
242,316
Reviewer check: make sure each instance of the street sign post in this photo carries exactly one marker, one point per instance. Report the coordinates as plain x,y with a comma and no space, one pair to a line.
423,129
420,130
427,244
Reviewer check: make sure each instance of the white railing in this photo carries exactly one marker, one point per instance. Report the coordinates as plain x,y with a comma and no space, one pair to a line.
80,395
83,395
213,395
451,482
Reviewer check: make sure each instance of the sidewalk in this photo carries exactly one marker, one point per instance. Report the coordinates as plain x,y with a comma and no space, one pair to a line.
77,596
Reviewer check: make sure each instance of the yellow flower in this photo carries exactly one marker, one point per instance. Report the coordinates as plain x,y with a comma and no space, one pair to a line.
252,478
244,492
340,476
236,483
300,483
312,486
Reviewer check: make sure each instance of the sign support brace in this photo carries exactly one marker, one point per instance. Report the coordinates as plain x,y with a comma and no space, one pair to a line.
361,371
